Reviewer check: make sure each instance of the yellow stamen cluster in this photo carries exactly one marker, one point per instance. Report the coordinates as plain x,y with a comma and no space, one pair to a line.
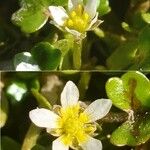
73,125
78,19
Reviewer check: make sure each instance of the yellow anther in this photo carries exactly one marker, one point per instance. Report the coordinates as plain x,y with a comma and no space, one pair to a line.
80,9
74,125
85,16
70,23
73,14
78,19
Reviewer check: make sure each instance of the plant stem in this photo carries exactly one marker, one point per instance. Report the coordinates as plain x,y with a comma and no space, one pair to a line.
77,49
42,101
115,117
31,137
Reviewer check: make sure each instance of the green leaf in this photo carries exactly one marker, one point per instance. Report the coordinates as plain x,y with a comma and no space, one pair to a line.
25,62
122,135
142,57
130,91
38,147
144,129
17,90
47,57
146,17
59,2
144,47
31,137
64,45
132,134
104,7
144,37
115,91
3,110
141,85
8,143
137,21
123,56
32,15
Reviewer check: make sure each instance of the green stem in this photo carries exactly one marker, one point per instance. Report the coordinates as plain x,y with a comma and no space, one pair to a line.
61,63
115,117
84,83
77,49
42,101
31,137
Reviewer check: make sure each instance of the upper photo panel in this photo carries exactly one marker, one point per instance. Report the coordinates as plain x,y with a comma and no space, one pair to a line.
45,35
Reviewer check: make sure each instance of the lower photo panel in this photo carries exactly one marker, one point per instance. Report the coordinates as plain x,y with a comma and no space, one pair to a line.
75,110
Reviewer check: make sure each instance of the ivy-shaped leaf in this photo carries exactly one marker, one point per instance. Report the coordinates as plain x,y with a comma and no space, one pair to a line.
32,15
142,57
46,56
140,89
130,91
132,134
115,91
25,62
123,56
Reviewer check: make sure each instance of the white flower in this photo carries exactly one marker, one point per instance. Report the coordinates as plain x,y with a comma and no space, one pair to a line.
73,124
78,19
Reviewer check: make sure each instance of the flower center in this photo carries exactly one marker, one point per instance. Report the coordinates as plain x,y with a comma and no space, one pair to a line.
73,125
78,19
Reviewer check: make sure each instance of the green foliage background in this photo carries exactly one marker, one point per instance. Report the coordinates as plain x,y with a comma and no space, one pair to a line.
120,43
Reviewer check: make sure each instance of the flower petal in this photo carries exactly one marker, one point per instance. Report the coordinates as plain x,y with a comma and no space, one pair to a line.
91,7
58,145
74,32
95,22
92,144
73,4
43,118
98,109
69,95
58,14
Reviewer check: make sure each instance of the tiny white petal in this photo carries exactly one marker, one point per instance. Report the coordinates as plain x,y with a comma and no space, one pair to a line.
43,118
91,7
69,95
58,145
58,14
96,24
55,24
93,21
92,144
74,32
98,109
73,4
23,66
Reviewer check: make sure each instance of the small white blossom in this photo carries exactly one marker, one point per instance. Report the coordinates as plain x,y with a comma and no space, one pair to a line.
78,18
72,124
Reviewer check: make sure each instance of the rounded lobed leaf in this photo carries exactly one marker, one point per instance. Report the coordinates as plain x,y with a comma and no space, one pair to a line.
132,134
130,91
47,57
138,87
116,92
